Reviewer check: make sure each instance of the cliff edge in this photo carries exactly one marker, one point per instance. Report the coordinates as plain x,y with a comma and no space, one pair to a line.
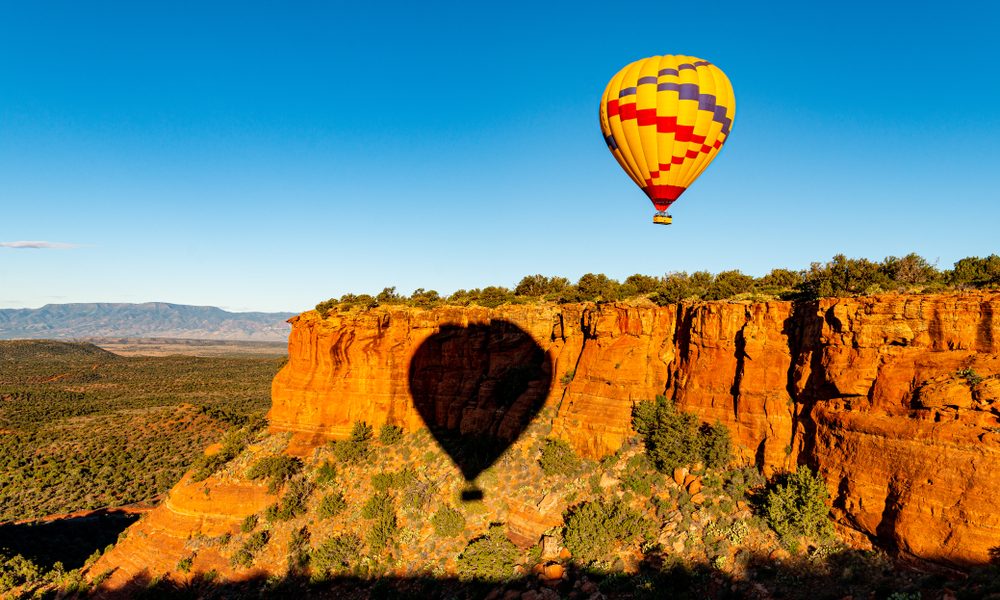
894,398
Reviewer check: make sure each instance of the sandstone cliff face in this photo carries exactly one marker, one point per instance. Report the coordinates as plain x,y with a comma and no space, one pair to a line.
867,390
900,410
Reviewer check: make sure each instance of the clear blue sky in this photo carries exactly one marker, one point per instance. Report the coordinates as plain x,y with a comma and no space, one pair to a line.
265,156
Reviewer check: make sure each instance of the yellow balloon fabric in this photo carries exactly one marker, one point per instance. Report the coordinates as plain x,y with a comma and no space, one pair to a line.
664,119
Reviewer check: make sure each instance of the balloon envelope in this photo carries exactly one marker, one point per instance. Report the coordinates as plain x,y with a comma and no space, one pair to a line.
664,119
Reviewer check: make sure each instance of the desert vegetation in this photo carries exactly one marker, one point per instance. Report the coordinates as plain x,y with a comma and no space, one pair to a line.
683,518
83,428
840,276
672,512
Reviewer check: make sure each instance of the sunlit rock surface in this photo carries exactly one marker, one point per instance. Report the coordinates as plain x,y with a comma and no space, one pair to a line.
894,398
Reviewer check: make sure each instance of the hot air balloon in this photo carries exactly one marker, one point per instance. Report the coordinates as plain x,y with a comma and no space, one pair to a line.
664,119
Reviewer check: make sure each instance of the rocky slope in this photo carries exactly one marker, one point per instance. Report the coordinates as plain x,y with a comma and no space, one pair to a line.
895,399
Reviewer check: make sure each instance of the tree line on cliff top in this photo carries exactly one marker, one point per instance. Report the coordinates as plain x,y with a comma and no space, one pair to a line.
838,277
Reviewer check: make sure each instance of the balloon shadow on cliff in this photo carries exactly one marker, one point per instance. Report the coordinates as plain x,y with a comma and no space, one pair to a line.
477,388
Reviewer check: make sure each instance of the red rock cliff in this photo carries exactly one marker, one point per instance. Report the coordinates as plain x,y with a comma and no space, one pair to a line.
867,390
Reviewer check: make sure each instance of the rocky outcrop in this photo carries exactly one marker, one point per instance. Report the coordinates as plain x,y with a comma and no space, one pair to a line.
893,398
900,414
189,523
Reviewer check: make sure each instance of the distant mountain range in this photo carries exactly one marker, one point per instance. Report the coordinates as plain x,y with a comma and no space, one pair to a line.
149,319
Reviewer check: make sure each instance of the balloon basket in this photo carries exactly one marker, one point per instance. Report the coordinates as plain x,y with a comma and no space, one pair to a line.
662,218
472,494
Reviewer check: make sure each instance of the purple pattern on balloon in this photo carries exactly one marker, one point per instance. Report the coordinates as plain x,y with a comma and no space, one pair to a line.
691,91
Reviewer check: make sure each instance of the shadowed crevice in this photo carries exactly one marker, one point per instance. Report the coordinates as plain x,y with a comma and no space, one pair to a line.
69,541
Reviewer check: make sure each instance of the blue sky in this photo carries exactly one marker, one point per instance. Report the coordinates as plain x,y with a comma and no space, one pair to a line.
266,156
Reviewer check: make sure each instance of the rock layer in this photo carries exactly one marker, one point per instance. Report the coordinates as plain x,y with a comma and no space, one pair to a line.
893,398
192,514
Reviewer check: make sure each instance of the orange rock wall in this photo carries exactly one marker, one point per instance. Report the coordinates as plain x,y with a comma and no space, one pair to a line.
864,389
192,512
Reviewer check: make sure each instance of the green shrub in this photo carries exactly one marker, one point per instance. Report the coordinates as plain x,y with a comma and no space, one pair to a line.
356,448
674,439
331,505
843,277
448,522
540,286
597,287
639,284
594,529
184,565
233,443
716,448
640,475
362,301
840,276
382,532
244,556
271,513
396,480
970,376
797,507
349,452
739,482
390,434
256,542
778,282
324,307
249,523
17,570
326,474
388,295
976,272
298,548
728,284
382,481
493,296
422,298
910,270
670,435
361,432
376,505
382,510
276,469
489,558
558,458
335,556
677,287
293,503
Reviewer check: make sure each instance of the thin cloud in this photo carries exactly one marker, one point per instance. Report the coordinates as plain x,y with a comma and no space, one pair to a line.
49,245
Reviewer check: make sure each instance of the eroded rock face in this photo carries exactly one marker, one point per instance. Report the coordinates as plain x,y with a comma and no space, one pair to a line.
900,415
893,398
182,526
